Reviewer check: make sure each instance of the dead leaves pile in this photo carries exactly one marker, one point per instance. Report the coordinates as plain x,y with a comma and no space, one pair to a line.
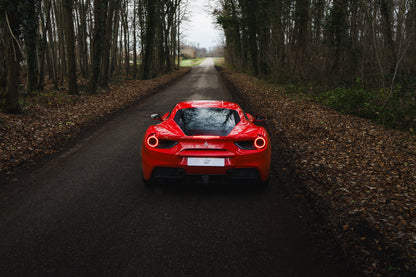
51,119
361,176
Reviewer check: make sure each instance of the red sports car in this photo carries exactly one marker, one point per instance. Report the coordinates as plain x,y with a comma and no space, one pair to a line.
206,139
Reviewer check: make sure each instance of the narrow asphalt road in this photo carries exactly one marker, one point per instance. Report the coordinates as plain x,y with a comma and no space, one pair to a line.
86,212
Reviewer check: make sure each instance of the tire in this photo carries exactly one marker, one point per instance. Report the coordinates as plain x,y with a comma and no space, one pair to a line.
262,185
266,183
147,183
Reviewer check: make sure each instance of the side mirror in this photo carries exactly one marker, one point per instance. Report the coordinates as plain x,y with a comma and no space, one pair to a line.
260,118
156,116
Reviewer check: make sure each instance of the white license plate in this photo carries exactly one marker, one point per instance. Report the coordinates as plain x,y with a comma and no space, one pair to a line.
220,162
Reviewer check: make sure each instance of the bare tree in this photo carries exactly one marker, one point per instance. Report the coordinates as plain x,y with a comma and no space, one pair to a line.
60,38
9,74
70,47
100,8
30,25
112,6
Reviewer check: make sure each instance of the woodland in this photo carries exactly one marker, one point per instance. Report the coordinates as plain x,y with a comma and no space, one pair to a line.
58,42
356,56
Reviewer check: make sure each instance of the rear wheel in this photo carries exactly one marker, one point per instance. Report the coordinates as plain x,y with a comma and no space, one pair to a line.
263,184
147,183
266,183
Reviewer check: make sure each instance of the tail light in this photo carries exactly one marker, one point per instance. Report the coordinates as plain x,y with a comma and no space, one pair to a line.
245,145
256,144
152,141
260,142
166,144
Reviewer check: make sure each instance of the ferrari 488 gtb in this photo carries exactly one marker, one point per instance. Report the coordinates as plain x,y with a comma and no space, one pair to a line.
206,139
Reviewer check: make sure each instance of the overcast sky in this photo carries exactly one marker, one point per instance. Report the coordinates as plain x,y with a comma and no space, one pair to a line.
199,30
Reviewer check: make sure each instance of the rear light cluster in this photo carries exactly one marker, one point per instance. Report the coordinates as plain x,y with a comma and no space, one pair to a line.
260,142
245,145
256,144
154,142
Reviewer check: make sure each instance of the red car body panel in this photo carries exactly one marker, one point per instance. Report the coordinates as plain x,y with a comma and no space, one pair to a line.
206,146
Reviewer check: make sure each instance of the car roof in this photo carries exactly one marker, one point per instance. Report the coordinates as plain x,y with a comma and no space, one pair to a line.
208,104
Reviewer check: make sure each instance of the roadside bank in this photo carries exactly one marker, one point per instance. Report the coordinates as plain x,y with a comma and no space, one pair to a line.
359,177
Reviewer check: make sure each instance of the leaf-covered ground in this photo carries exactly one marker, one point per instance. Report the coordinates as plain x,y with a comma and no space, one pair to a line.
360,176
54,118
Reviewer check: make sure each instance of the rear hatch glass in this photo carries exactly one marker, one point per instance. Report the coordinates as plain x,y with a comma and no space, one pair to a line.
207,121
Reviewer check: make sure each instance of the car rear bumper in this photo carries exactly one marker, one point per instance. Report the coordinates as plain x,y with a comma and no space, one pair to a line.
251,167
240,175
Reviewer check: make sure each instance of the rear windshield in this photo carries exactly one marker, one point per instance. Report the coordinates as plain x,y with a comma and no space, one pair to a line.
207,121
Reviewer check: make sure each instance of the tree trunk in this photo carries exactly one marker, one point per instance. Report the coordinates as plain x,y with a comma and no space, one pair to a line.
126,41
107,43
149,38
61,40
277,44
43,49
82,35
70,47
114,50
263,25
30,32
410,29
178,24
52,61
9,26
338,19
318,14
141,15
301,33
249,12
100,8
134,42
387,14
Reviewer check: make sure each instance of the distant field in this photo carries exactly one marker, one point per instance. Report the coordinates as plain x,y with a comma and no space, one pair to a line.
192,62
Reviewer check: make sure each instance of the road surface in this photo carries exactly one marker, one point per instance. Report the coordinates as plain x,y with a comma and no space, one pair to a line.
86,212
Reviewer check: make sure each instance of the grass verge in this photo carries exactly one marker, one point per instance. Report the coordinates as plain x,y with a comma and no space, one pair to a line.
192,62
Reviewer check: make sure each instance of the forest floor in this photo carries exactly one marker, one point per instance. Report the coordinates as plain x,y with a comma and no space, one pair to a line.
54,118
358,176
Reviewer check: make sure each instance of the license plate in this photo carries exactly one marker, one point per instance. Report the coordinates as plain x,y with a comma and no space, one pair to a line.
219,162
